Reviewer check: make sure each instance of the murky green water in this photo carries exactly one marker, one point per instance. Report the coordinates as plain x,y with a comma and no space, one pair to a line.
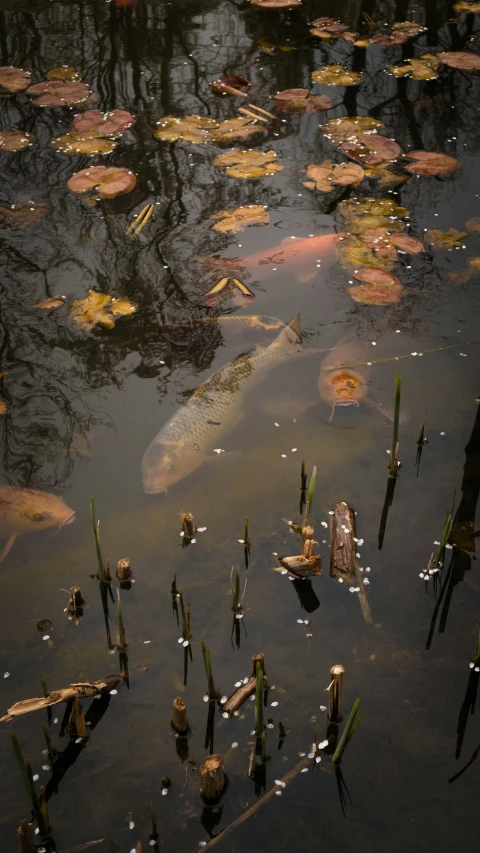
84,406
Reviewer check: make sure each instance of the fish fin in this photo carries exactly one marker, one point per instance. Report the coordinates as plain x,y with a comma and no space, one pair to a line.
8,547
295,326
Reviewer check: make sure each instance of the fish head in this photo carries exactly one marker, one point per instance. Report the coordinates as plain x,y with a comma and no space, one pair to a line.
343,386
27,510
165,464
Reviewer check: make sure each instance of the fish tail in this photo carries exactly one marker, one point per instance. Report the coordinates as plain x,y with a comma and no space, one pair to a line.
295,326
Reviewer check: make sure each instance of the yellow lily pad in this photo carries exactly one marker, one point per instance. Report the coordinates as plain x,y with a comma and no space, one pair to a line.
360,215
100,308
83,143
193,128
425,67
337,75
451,239
233,221
64,72
236,128
324,177
15,140
248,164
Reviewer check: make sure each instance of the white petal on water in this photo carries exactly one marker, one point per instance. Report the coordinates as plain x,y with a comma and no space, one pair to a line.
223,700
182,533
301,754
192,541
201,529
202,843
284,455
300,621
367,569
477,669
164,792
311,755
6,674
471,665
234,744
323,744
317,759
421,575
273,704
351,589
238,684
185,643
366,582
252,697
324,524
146,642
46,637
245,680
340,580
323,707
269,725
205,698
360,542
284,571
113,692
37,777
275,424
449,547
226,714
131,824
180,640
331,512
294,449
305,770
279,793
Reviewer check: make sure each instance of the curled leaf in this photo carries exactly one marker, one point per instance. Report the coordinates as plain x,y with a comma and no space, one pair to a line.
14,79
58,93
83,143
231,85
50,302
337,75
248,164
431,163
236,220
15,140
99,308
110,180
103,124
301,101
460,59
451,239
380,287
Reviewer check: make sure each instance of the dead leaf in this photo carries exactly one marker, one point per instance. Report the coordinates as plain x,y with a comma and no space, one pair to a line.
110,180
233,221
89,143
99,308
14,79
460,59
301,101
65,72
19,216
407,244
399,33
327,28
192,128
380,288
276,4
50,302
361,215
343,129
248,164
354,252
425,67
468,8
337,75
431,163
230,85
459,276
58,93
451,239
236,128
3,407
15,140
323,177
385,177
473,224
103,124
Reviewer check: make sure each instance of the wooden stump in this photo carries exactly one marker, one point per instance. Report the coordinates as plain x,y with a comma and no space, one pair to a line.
123,569
188,524
213,780
179,719
26,842
335,693
342,546
302,567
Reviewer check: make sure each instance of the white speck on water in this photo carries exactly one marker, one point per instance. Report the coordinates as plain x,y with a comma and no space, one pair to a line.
146,642
366,582
164,792
182,533
275,554
305,770
180,640
223,700
413,353
78,740
279,793
113,692
205,698
360,542
357,554
323,744
340,580
37,831
37,777
442,433
245,680
294,449
301,754
192,541
367,569
311,755
471,665
477,669
201,529
317,759
449,547
225,715
351,589
218,450
46,637
234,744
331,512
6,674
435,542
56,720
300,621
273,704
275,424
185,643
284,455
202,843
238,684
324,524
323,707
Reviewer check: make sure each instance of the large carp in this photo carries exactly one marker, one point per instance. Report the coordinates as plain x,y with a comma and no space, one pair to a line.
27,510
196,428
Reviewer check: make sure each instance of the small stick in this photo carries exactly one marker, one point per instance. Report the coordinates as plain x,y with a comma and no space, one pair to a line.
310,494
247,112
140,220
121,637
123,569
230,90
220,285
188,524
396,357
335,693
144,221
243,288
179,719
213,780
261,110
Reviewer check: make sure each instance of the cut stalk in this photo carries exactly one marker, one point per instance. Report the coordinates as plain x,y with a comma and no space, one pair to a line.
350,727
394,464
121,637
310,494
101,574
27,776
259,725
212,693
476,659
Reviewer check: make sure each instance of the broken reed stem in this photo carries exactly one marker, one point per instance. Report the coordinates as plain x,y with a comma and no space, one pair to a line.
185,617
236,590
27,776
179,719
421,435
396,420
310,494
263,747
52,752
101,573
245,535
188,524
123,569
213,780
26,841
121,638
476,659
350,727
335,693
303,475
259,696
212,693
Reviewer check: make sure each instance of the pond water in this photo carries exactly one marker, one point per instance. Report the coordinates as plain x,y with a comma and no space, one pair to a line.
83,406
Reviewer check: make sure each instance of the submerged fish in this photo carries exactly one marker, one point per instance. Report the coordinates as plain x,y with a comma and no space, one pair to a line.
345,386
192,433
27,510
303,254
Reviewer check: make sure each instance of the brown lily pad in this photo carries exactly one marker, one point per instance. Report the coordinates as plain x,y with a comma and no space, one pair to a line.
301,101
360,215
22,215
431,163
14,79
468,8
372,149
400,33
15,140
425,67
233,221
327,28
337,75
451,239
380,288
473,224
325,176
59,93
407,244
385,177
230,85
99,308
344,129
248,164
110,180
236,128
103,124
460,59
83,143
357,252
64,72
276,4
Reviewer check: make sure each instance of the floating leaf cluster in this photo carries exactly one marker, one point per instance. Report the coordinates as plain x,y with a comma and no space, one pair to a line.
59,93
301,101
15,140
337,75
198,129
233,221
248,164
13,79
326,176
100,308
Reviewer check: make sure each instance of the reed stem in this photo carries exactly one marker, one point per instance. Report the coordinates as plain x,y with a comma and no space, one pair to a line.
27,776
396,420
101,574
350,727
310,494
259,725
212,693
121,637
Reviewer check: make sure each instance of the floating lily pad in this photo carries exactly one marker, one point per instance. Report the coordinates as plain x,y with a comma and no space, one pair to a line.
431,163
344,129
451,239
236,128
327,28
65,72
276,4
407,243
110,180
337,75
380,288
354,251
59,93
399,33
99,308
473,224
233,221
230,85
14,79
15,140
385,177
192,128
425,67
460,59
360,215
372,148
324,177
248,164
22,215
103,124
83,143
301,101
468,8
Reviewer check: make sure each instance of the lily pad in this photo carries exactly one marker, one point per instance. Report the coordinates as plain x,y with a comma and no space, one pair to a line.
460,59
99,308
59,93
233,221
425,67
431,163
276,4
15,140
324,177
22,215
380,288
372,149
14,79
385,177
248,164
344,129
468,8
103,124
65,72
473,224
236,128
110,180
360,215
83,143
400,33
192,128
301,101
354,251
407,243
451,239
337,75
231,85
327,28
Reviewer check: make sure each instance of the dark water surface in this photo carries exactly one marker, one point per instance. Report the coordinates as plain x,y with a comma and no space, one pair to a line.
84,406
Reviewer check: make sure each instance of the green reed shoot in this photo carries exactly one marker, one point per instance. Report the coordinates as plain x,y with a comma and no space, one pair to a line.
476,659
185,617
447,529
121,637
350,728
310,494
245,535
101,573
259,725
237,599
393,465
212,693
27,776
263,747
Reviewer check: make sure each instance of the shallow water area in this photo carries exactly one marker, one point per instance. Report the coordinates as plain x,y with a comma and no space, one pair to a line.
83,401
